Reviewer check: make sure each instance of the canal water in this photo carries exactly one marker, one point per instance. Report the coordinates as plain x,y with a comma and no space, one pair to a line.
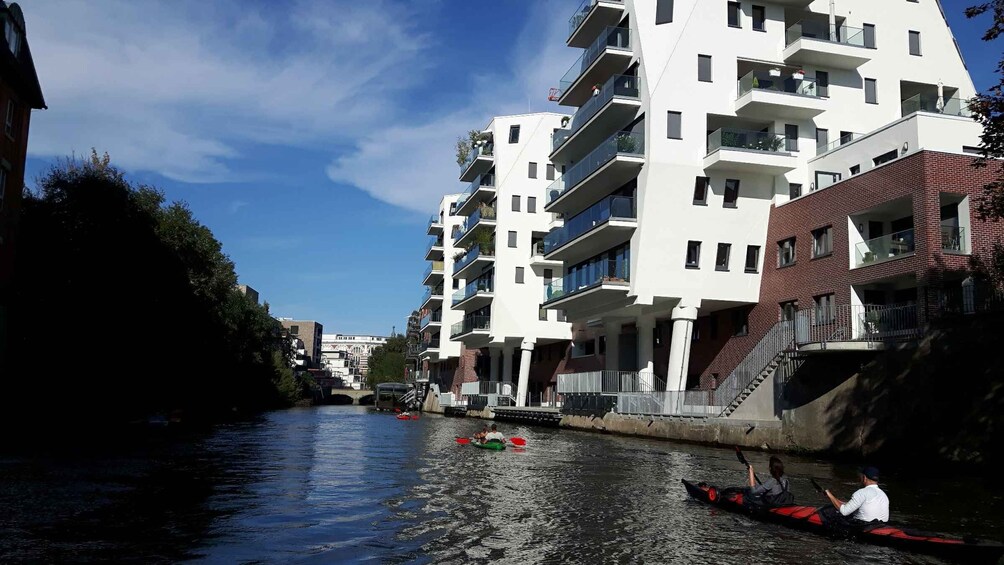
346,485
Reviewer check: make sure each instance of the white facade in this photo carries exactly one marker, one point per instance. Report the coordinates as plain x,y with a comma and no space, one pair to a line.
500,299
436,314
741,103
358,347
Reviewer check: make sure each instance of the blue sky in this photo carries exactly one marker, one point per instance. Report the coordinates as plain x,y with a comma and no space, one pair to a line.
315,139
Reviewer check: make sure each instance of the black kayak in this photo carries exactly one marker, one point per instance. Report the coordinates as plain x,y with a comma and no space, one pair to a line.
819,520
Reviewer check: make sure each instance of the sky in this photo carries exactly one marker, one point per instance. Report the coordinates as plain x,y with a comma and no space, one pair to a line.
314,137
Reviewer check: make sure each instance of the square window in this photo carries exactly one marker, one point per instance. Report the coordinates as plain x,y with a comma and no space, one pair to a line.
519,275
704,68
734,14
550,171
512,239
531,204
731,193
515,203
514,134
825,309
786,252
532,173
674,125
693,254
740,322
722,258
759,18
701,191
822,241
794,190
752,258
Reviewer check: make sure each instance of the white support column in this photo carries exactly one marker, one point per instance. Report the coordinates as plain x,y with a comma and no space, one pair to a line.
524,372
493,372
679,348
613,335
646,351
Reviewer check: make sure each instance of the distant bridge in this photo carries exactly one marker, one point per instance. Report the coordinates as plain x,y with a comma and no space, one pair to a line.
332,395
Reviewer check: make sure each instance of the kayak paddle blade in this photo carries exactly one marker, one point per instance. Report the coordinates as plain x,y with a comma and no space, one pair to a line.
463,440
741,457
518,441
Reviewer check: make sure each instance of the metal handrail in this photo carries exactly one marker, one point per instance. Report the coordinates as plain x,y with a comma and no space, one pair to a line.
778,339
857,322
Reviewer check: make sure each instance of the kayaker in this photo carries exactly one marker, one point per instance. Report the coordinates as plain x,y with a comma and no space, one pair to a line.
774,491
494,435
481,435
868,503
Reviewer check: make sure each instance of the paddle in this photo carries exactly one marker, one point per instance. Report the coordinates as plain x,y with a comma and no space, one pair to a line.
463,440
816,486
742,459
518,441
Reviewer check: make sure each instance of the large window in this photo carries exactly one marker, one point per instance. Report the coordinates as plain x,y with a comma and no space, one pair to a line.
701,191
786,252
822,241
722,258
514,134
826,310
822,84
731,193
790,137
752,258
693,254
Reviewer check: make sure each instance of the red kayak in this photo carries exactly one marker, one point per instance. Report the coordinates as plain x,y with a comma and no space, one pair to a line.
815,519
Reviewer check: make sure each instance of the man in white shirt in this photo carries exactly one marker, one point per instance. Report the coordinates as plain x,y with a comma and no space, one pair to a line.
868,503
494,435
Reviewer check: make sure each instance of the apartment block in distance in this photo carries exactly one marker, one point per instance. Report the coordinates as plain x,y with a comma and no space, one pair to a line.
309,332
800,183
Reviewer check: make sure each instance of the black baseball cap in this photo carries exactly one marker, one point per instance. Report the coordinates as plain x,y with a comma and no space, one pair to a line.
870,472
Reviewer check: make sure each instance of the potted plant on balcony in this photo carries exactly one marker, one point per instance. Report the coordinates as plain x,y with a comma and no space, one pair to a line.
626,143
798,75
459,255
564,121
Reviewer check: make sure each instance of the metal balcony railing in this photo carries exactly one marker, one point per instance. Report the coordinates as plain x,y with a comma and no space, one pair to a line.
616,37
434,291
884,247
471,324
621,143
765,81
845,137
625,86
611,207
431,317
597,272
821,31
851,322
732,138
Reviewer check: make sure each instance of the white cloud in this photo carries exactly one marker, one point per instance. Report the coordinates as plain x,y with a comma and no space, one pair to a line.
414,165
180,87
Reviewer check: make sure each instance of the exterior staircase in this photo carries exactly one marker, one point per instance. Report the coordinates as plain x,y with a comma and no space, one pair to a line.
786,362
771,353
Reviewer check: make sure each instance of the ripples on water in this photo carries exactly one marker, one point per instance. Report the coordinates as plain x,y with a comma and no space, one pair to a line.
342,484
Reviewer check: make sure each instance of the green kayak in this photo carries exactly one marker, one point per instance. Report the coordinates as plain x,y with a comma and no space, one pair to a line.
493,445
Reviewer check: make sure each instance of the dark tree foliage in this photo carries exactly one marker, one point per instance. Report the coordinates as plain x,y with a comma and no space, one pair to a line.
125,306
387,362
988,109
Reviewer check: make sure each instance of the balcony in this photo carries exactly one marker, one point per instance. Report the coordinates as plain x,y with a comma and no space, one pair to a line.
588,287
537,256
614,105
484,217
478,162
844,139
609,54
429,348
614,162
431,319
731,149
471,326
766,94
434,249
603,225
934,104
809,43
954,240
476,294
432,296
592,17
435,226
884,248
433,274
473,261
481,189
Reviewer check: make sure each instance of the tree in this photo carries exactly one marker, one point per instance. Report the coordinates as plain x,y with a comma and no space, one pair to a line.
387,362
465,144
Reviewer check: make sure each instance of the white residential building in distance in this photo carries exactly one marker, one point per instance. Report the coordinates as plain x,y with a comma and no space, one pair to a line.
436,352
503,268
695,119
360,347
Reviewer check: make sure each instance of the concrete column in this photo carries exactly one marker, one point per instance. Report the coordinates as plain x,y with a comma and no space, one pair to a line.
524,372
507,364
679,348
493,372
613,335
646,351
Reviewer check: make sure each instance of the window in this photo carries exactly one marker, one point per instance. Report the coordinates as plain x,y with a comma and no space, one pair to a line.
915,43
822,140
532,173
664,12
722,258
531,204
869,35
871,91
519,275
549,171
713,326
794,190
788,310
885,157
515,203
752,258
701,191
704,68
514,134
855,169
674,125
9,121
456,284
786,252
542,316
822,242
823,84
846,137
734,11
740,322
693,254
759,18
295,330
731,193
970,150
826,310
825,179
790,137
512,239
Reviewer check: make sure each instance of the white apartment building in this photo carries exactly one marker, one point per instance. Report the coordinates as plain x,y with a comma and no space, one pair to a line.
341,364
437,353
694,118
500,259
359,347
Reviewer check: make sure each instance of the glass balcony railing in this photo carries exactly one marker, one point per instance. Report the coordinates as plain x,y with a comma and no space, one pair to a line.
953,239
775,81
583,12
538,249
434,291
434,220
484,212
934,104
615,37
821,31
434,241
595,215
431,317
621,143
471,324
732,138
845,138
625,86
473,254
588,276
481,285
486,150
429,344
485,180
436,266
884,247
